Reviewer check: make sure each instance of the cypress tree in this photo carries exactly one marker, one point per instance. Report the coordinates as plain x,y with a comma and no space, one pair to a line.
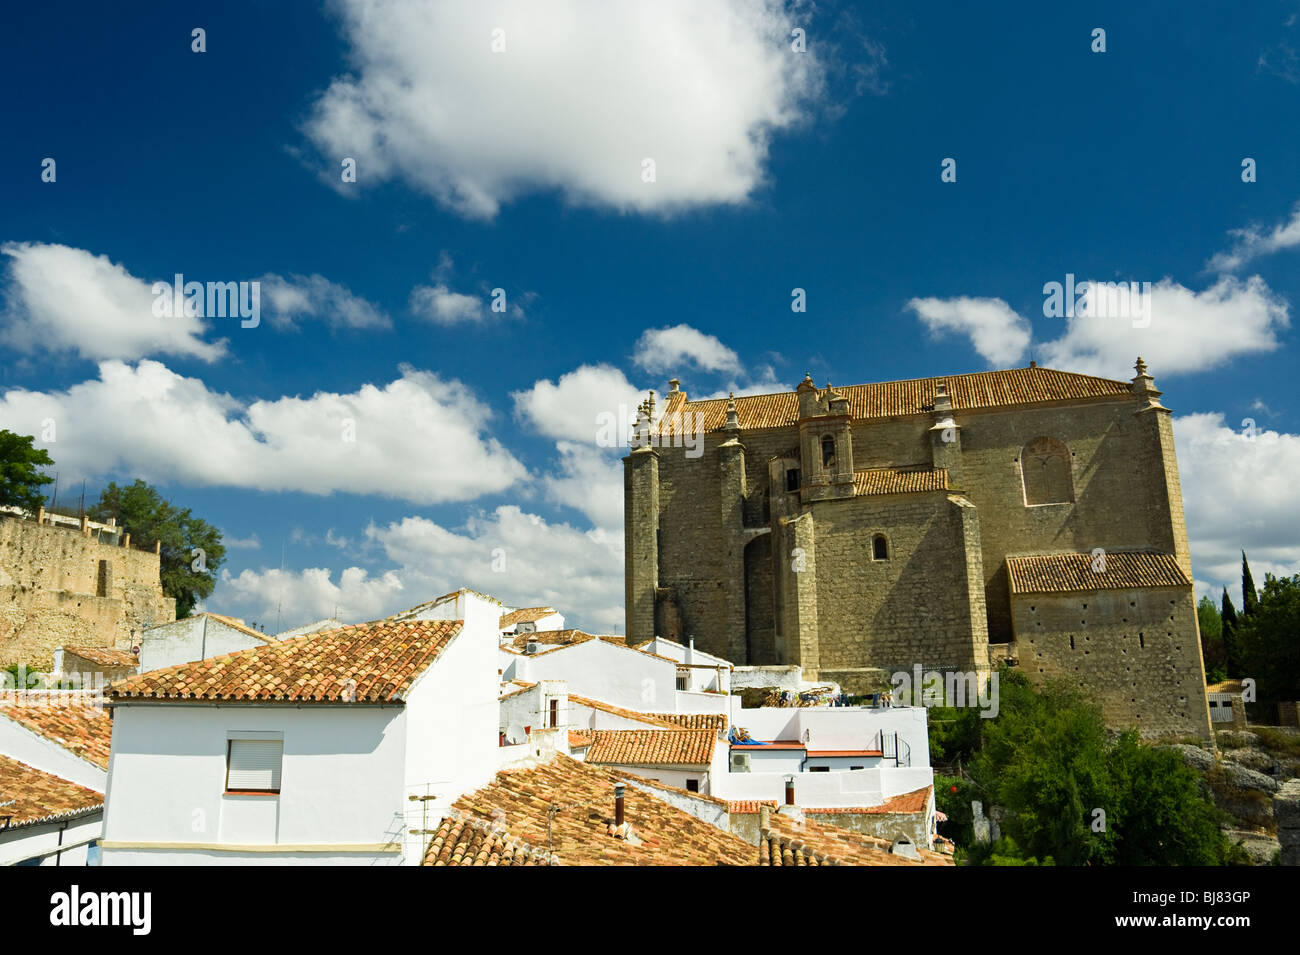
1229,615
1249,598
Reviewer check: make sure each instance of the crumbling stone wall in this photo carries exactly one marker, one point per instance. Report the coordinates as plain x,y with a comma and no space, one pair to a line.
60,587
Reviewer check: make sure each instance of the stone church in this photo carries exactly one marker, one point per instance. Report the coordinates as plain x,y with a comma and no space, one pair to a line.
1028,515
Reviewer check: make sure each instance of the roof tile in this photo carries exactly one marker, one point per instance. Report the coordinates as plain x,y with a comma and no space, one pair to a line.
367,663
1065,573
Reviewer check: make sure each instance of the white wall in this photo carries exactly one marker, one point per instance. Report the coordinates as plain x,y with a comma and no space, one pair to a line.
194,638
839,727
782,677
863,787
606,672
342,780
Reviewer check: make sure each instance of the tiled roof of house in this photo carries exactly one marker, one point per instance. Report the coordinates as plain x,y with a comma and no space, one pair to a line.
672,747
525,615
748,807
788,841
1063,573
579,738
105,656
514,811
915,801
367,663
35,796
984,389
81,727
650,719
554,638
697,721
899,480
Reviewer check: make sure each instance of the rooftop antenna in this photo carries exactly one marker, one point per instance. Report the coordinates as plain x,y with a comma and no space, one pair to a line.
54,499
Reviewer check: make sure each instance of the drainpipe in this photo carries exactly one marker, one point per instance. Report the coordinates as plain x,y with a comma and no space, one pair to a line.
58,856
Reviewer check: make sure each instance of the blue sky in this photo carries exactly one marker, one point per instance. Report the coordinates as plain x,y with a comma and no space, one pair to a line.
521,169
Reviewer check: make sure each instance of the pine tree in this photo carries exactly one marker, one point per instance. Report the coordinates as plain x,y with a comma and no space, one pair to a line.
1249,598
1229,615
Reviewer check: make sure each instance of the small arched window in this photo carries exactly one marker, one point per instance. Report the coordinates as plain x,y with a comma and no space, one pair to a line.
1045,470
879,548
828,452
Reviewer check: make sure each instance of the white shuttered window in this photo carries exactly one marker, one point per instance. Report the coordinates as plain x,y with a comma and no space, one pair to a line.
254,765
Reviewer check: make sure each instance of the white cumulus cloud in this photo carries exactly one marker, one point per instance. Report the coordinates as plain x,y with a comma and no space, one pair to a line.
417,438
1239,493
1254,241
316,297
998,333
518,557
576,95
61,299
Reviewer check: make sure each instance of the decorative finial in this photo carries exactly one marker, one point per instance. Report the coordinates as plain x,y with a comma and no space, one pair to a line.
1141,366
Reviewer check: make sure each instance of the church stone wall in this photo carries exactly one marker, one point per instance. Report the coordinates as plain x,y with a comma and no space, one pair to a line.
1135,652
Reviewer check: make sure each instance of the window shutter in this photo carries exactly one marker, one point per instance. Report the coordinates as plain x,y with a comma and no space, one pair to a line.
255,764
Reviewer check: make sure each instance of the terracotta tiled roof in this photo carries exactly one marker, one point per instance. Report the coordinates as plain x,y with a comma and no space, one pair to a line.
37,796
674,747
748,807
238,625
82,728
650,719
517,806
554,638
1060,573
514,688
579,739
465,840
899,480
915,801
697,721
105,656
368,663
525,615
985,389
804,842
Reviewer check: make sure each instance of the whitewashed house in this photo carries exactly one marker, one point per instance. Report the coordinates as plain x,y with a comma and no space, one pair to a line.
324,749
607,669
196,638
54,751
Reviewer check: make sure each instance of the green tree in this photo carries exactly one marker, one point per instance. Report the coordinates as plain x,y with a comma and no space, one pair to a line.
1211,625
191,548
1249,598
1049,762
1270,649
1162,818
1230,624
20,481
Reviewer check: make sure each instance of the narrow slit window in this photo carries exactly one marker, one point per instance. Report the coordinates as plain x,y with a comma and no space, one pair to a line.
879,548
828,452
